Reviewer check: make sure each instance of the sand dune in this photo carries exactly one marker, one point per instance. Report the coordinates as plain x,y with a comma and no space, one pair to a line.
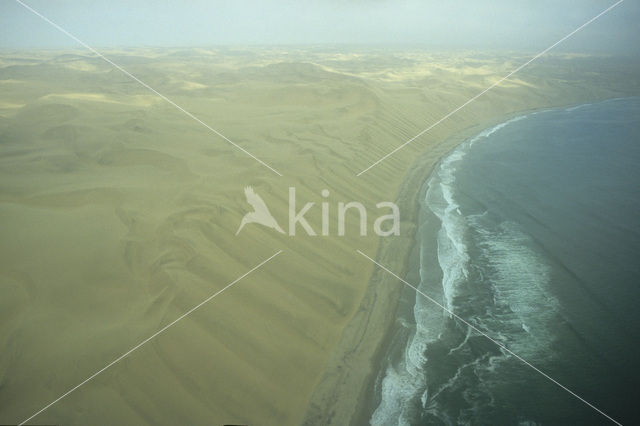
119,214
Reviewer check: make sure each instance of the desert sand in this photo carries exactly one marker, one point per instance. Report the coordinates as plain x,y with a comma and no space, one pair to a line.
119,214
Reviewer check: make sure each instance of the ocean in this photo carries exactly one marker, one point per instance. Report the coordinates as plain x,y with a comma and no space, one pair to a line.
530,231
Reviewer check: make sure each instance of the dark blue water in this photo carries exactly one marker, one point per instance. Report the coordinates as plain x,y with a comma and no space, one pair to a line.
531,232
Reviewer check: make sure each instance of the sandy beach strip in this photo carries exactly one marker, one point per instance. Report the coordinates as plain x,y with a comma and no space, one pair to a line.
342,395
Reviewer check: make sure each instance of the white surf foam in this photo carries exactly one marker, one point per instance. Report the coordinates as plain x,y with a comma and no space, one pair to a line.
404,387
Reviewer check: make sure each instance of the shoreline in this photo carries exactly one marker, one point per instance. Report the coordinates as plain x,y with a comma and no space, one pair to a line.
397,343
355,363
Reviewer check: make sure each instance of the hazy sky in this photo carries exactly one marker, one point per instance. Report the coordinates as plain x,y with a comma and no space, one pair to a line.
529,24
